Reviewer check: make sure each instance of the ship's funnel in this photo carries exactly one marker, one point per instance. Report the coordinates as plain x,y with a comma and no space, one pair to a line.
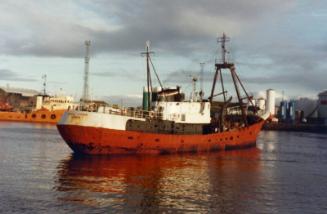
146,99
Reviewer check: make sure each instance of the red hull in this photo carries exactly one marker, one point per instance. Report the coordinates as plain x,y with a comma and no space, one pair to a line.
91,140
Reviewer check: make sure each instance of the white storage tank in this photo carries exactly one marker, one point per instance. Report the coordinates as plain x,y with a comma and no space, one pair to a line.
270,102
322,109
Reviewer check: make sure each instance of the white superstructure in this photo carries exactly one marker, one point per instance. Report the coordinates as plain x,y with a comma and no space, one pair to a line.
56,103
96,119
111,118
185,112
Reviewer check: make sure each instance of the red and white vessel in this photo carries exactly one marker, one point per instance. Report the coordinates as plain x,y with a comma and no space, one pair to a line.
167,123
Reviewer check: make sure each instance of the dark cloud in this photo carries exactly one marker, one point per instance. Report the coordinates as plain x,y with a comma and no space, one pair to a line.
179,26
274,42
307,81
286,70
301,65
9,75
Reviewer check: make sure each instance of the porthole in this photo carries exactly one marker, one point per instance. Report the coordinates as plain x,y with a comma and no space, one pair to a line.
43,116
33,115
53,116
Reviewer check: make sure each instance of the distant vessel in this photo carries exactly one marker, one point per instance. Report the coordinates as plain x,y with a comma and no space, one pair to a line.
167,123
47,110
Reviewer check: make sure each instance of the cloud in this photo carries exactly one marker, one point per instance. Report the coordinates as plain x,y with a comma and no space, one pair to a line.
288,69
275,43
289,65
52,28
12,76
122,73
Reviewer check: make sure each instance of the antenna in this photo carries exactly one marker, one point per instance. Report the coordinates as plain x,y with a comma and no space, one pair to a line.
201,78
44,77
147,44
86,95
193,95
223,41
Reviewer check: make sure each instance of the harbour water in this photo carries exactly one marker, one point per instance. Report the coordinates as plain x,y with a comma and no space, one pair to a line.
286,173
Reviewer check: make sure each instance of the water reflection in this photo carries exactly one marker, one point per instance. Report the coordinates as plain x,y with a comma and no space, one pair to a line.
38,174
223,181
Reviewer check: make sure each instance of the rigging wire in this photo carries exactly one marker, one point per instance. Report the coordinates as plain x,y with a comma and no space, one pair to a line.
155,72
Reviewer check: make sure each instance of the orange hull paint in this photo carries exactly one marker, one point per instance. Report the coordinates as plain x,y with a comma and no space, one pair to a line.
39,116
92,140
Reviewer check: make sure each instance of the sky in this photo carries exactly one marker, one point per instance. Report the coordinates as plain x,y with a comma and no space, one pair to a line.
274,44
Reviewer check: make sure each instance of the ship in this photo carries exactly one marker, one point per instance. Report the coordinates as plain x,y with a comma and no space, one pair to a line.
48,109
167,123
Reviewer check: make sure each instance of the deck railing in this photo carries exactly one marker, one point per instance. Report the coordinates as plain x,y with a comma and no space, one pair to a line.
137,113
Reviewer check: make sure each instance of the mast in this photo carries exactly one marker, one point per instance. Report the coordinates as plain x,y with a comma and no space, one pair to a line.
223,41
219,66
86,95
148,73
224,64
193,97
201,82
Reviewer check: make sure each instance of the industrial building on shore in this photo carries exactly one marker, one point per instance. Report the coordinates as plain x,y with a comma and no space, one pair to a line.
17,97
305,115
